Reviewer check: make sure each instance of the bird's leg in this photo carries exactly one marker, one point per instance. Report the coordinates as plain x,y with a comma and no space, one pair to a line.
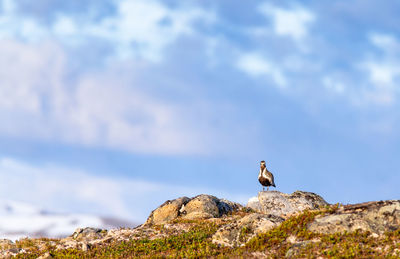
263,188
267,188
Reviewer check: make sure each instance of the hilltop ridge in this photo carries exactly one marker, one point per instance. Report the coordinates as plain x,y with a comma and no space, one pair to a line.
272,225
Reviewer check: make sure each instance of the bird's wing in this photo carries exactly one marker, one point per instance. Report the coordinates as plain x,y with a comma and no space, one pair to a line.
270,176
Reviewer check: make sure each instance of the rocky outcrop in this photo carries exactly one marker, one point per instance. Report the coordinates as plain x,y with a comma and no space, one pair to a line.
200,207
278,203
375,217
239,232
233,225
272,208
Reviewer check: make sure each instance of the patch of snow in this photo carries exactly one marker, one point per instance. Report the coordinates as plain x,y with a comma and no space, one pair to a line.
19,220
253,199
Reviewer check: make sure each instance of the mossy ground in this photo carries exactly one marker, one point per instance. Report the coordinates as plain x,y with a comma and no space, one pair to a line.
196,243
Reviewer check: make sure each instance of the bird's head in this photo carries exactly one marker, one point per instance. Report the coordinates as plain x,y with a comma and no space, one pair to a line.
262,164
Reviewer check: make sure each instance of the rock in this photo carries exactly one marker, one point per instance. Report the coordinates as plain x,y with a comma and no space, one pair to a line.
45,256
259,255
67,243
168,211
295,249
200,207
239,232
88,233
236,229
85,247
375,217
6,244
12,252
226,207
206,206
277,203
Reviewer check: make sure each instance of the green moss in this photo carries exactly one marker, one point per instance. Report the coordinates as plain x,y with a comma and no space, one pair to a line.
244,233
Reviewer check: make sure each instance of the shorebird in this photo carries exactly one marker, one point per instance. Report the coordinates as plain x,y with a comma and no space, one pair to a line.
265,177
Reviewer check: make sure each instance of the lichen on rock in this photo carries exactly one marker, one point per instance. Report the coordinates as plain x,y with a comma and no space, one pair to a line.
239,232
375,217
278,203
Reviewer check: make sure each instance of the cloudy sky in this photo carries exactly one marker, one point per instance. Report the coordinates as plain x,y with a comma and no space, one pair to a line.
112,107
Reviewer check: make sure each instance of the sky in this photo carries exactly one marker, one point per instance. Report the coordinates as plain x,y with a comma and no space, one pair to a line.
112,107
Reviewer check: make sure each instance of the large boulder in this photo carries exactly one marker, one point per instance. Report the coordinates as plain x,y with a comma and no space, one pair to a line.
278,203
200,207
376,217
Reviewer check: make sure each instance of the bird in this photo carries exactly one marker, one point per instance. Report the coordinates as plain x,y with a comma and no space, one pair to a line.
265,177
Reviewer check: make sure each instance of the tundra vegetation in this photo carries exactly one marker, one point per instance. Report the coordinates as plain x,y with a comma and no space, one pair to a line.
292,239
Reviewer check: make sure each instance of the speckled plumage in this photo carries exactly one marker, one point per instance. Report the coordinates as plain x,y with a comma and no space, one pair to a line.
265,177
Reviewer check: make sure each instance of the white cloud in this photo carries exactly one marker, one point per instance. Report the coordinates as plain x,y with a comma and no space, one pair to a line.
25,73
255,65
382,73
108,112
100,110
293,23
148,25
141,28
382,69
386,42
59,189
333,85
110,109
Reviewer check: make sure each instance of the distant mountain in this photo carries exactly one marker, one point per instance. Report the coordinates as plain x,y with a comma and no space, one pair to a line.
19,220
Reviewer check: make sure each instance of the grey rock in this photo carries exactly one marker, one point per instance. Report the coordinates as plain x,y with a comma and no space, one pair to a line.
295,249
375,217
226,207
239,232
278,203
88,233
12,252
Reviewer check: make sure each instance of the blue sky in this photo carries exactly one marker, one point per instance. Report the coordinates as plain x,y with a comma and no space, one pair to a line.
112,107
